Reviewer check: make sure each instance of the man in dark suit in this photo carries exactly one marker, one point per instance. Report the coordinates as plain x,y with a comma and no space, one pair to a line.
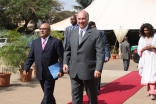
85,51
125,51
45,51
106,52
73,21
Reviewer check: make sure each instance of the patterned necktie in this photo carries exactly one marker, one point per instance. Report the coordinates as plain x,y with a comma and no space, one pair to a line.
80,36
43,44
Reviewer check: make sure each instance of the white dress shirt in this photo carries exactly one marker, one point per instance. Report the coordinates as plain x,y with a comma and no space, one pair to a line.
84,30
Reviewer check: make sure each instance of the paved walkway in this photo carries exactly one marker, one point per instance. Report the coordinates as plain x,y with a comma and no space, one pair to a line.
31,93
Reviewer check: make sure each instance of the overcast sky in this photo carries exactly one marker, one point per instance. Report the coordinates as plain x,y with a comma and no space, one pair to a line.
67,4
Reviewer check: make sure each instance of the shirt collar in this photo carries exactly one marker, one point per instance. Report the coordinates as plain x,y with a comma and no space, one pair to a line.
45,38
75,25
84,29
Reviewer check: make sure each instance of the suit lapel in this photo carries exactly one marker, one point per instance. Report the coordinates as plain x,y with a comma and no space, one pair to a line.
86,35
69,30
76,37
40,43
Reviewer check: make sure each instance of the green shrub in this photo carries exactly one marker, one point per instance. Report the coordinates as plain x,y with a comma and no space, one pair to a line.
57,35
15,54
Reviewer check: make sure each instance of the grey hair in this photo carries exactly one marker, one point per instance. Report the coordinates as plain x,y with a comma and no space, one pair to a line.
87,15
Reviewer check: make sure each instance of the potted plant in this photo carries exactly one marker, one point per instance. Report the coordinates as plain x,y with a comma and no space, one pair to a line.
21,46
6,69
16,54
114,52
5,74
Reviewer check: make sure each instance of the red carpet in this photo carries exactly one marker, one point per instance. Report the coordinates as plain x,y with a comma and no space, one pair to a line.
119,90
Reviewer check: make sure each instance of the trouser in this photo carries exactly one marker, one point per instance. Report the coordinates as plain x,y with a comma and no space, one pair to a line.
48,89
126,64
98,84
77,90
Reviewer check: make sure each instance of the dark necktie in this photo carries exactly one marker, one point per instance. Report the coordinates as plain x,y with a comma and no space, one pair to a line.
80,36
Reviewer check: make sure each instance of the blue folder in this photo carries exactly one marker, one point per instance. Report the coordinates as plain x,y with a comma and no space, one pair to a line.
54,69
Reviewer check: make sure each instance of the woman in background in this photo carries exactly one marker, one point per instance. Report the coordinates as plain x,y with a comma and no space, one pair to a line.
147,62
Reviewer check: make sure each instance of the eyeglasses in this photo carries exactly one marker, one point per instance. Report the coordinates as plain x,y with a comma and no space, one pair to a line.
44,29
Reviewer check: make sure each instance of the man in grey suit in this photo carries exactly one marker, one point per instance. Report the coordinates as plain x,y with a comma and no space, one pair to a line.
125,51
73,21
85,51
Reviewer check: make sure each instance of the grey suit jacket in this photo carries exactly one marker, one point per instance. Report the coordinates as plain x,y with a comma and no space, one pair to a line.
67,33
86,57
125,50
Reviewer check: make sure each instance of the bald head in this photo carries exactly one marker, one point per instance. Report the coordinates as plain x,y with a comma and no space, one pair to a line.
85,13
82,19
44,30
46,25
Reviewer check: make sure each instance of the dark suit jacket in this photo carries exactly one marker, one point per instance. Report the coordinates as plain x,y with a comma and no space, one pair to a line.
106,46
87,56
44,58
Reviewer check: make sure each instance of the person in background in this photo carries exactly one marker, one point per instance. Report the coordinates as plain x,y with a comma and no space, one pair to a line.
73,21
45,51
125,53
147,62
106,51
85,52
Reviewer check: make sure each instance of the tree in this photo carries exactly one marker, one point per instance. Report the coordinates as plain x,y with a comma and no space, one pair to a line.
29,9
62,15
5,21
84,3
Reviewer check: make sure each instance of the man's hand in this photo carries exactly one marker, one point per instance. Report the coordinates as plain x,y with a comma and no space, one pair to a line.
25,72
60,74
97,74
65,68
107,59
